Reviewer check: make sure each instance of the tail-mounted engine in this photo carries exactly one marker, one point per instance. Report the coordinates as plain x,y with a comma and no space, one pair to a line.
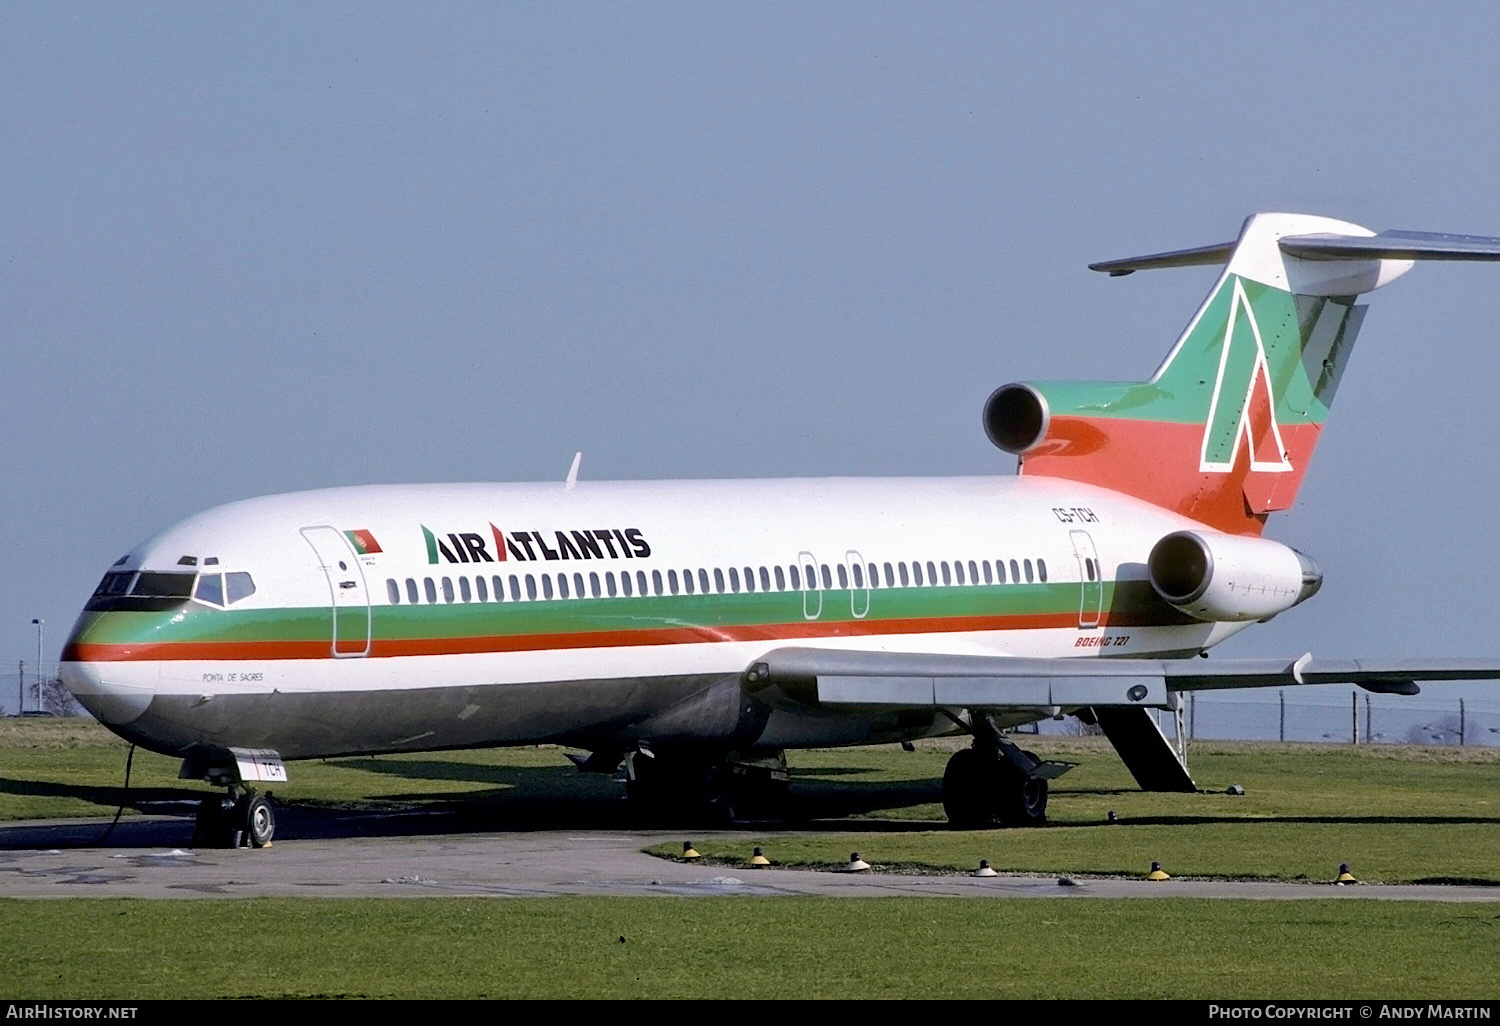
1218,577
1016,417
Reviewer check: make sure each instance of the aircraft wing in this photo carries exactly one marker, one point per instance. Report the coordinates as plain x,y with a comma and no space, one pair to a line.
846,678
1117,694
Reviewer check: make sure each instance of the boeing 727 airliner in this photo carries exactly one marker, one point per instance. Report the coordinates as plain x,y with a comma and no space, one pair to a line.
696,630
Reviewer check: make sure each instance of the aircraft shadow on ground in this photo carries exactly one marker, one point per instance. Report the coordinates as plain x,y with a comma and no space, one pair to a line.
558,797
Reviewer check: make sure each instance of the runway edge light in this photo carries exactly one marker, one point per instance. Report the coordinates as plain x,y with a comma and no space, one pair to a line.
1345,877
689,852
856,864
984,869
1157,873
758,858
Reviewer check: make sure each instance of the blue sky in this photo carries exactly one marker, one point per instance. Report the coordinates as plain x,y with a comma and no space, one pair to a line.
261,248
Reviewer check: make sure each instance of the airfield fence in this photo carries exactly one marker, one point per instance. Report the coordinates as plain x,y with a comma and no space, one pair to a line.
1280,716
22,691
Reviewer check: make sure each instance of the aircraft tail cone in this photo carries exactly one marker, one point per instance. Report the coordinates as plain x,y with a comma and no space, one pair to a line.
1157,873
758,858
984,869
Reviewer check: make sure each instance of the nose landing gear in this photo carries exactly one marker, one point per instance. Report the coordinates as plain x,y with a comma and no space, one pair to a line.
237,820
243,817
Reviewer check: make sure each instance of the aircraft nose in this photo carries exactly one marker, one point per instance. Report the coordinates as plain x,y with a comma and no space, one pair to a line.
111,702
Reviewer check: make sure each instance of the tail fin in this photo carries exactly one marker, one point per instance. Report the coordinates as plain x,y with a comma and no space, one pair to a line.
1225,429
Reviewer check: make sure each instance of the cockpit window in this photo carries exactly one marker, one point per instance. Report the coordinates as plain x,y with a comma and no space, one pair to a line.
239,586
210,589
155,591
114,583
163,585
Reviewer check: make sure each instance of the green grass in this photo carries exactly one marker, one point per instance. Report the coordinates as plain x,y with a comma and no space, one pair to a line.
747,948
1394,813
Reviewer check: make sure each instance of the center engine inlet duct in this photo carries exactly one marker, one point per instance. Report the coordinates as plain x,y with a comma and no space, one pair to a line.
1224,577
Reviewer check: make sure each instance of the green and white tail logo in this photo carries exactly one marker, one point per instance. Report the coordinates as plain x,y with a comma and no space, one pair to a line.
1243,407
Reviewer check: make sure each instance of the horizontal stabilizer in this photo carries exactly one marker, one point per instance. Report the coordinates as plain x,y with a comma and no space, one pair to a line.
1387,245
1199,256
1392,245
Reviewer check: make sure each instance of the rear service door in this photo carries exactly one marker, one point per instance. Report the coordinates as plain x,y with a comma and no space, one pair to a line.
349,599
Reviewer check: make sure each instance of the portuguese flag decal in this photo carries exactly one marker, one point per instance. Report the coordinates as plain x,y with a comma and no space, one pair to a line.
363,541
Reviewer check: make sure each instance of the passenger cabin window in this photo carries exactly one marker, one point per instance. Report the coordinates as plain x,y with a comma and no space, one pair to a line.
482,589
464,591
430,587
411,591
392,590
1027,564
843,576
447,589
1041,570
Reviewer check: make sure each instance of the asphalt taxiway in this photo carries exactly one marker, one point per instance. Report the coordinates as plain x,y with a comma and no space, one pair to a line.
389,856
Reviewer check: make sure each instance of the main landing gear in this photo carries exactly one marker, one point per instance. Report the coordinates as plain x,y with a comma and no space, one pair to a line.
996,782
241,819
701,788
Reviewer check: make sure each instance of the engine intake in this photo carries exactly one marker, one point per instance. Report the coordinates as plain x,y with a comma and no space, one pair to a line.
1015,418
1224,577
